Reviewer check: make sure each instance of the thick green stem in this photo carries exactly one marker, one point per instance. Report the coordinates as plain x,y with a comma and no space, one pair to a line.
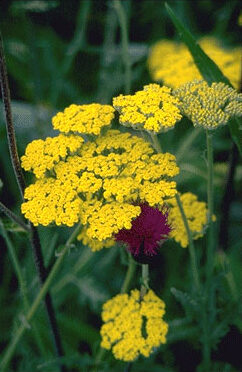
192,253
129,275
145,280
20,331
125,43
209,293
156,142
210,244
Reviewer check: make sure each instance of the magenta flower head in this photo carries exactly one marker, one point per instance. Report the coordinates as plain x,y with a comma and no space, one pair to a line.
149,230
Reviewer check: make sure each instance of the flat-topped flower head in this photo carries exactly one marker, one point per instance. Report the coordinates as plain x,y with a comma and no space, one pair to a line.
84,119
95,183
172,63
209,106
133,326
148,231
153,109
196,214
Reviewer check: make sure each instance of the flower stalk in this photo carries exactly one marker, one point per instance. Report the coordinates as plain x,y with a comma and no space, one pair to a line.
145,280
209,301
129,275
34,238
125,43
192,253
22,284
210,198
35,305
193,258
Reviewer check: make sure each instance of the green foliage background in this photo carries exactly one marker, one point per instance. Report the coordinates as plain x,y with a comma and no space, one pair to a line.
63,52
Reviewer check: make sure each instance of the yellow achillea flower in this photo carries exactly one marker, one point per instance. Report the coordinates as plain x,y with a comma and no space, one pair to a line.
95,183
209,106
196,213
153,109
85,119
133,326
172,63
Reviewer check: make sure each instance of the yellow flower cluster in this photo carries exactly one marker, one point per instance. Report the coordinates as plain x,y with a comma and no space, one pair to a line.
41,156
153,109
173,64
85,119
209,106
196,213
96,183
133,326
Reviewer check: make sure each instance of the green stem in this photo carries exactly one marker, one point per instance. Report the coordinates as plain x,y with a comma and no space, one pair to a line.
210,245
34,237
209,297
192,252
73,48
129,275
156,142
186,143
31,312
13,217
22,284
145,280
125,43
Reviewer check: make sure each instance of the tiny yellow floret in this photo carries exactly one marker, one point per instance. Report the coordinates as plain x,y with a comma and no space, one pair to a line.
153,109
133,326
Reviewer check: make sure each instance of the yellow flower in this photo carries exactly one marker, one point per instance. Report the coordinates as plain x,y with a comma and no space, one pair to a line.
209,106
153,109
196,213
95,183
172,63
85,119
133,326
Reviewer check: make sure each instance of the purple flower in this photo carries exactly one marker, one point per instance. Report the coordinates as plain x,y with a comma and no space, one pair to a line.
149,230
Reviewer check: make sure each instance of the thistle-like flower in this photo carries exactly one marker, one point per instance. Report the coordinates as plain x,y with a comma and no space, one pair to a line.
149,230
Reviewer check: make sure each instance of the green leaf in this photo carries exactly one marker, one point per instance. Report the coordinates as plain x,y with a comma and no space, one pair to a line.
208,69
189,303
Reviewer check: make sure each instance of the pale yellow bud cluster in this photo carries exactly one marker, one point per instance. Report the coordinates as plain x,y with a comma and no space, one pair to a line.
209,106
